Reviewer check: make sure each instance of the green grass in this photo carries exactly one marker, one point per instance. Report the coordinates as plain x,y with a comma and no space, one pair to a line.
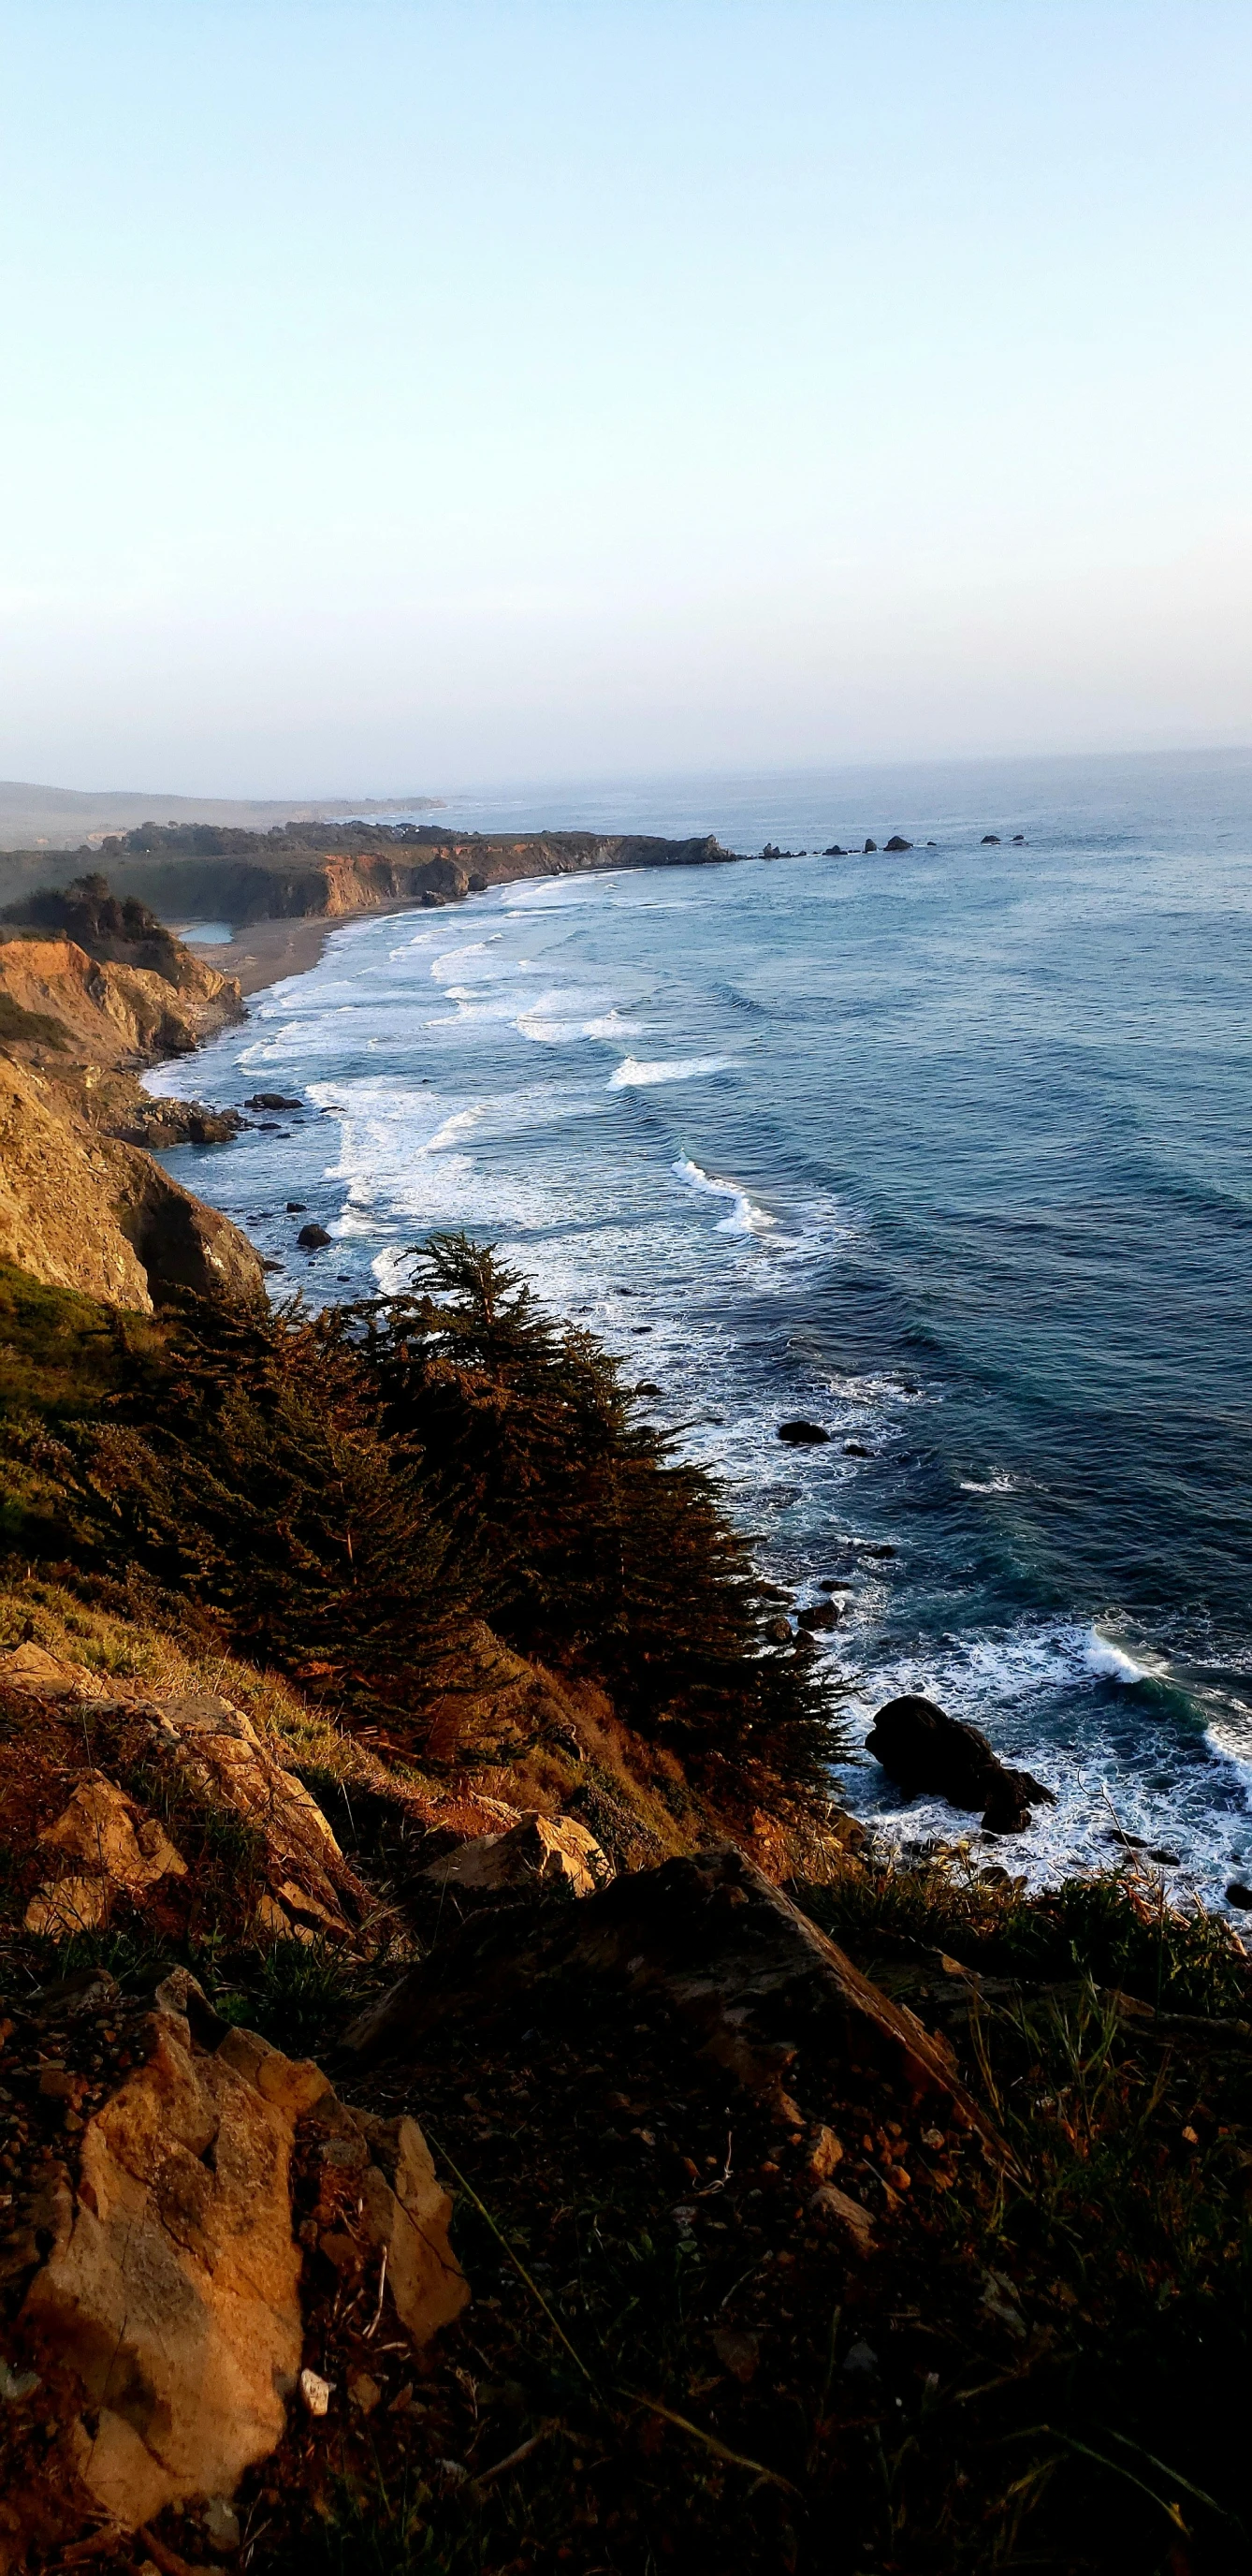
1116,1927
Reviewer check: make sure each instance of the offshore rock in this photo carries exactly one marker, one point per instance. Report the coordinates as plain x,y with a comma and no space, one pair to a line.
802,1435
927,1751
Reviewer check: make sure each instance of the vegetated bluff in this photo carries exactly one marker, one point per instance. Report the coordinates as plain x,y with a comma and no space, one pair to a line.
312,870
408,1785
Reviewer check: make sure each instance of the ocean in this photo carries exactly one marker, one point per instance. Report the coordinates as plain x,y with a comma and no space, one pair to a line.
946,1151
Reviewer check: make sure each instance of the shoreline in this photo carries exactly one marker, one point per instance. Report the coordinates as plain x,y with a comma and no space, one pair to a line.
269,952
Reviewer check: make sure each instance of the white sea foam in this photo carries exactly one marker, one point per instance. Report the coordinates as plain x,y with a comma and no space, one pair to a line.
1112,1661
612,1025
745,1216
988,1485
630,1074
458,1125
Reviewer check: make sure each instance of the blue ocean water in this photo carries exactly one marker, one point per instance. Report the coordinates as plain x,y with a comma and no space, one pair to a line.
947,1151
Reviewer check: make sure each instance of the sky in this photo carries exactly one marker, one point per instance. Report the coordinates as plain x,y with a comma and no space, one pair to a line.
405,395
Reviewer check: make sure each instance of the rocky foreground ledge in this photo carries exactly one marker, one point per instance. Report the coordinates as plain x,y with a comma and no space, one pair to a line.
477,2200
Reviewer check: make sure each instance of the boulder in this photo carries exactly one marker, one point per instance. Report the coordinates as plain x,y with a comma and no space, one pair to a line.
898,842
313,1237
928,1752
761,1990
834,852
167,2305
104,1843
802,1435
991,840
539,1847
870,845
272,1100
218,1751
118,1850
819,1614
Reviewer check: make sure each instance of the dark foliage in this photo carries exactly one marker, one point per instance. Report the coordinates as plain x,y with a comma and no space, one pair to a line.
99,921
603,1548
341,1494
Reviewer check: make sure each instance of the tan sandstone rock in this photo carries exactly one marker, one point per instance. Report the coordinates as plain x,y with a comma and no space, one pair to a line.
120,1851
172,2291
545,1847
172,2287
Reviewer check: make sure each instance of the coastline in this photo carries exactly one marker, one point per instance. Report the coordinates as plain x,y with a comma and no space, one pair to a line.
267,952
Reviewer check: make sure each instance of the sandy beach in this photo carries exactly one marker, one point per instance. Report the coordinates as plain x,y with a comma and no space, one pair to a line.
264,952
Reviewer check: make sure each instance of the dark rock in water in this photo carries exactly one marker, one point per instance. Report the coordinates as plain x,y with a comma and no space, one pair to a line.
884,1547
1238,1894
802,1644
856,1449
778,1631
477,884
268,1127
870,845
820,1614
641,1328
273,1265
312,1237
802,1435
926,1750
932,845
1018,838
296,1207
1167,1859
834,852
646,1387
272,1100
991,840
897,842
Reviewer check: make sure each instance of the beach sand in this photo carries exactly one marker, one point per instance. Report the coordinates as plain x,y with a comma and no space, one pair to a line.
263,952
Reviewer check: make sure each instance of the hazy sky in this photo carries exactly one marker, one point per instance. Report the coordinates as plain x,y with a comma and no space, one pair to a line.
400,395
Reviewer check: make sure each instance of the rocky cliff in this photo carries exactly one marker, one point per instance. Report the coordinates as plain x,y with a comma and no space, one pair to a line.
324,872
80,1206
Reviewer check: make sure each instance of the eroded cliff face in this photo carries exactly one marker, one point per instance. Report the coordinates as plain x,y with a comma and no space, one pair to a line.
80,1210
324,873
107,1014
79,1207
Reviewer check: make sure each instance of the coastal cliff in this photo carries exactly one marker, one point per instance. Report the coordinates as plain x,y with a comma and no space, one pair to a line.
469,2098
90,992
323,872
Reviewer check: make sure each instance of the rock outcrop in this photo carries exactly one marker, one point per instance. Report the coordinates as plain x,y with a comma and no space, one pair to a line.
560,1851
167,2307
282,1875
763,1991
81,1204
927,1751
80,1210
112,1013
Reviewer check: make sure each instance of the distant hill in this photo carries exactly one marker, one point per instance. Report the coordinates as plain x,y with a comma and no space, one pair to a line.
65,818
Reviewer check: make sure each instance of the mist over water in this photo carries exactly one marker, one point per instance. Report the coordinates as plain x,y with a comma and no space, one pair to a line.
947,1151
